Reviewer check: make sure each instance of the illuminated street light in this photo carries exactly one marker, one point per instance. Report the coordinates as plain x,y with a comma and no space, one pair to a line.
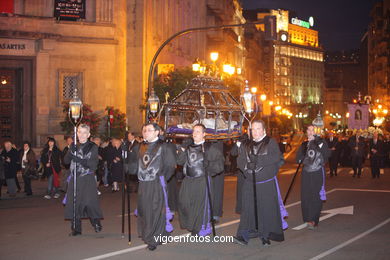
253,90
214,56
263,97
248,99
239,71
153,102
196,65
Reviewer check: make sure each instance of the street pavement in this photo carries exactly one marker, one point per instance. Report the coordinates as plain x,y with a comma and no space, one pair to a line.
355,225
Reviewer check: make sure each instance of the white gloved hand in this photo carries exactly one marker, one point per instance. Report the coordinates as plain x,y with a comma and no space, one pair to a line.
238,143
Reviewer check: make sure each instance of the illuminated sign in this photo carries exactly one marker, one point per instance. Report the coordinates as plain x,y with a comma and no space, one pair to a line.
305,24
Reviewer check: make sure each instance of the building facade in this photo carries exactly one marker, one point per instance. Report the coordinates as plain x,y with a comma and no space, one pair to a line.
379,52
105,55
297,62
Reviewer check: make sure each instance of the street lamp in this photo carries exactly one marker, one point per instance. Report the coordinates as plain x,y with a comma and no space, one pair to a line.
214,56
196,65
75,114
153,102
248,100
263,97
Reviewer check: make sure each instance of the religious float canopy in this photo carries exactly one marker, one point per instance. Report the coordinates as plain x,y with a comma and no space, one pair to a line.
205,100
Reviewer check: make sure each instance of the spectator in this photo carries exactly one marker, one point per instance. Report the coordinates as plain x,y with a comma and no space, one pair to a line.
10,157
65,172
28,164
52,166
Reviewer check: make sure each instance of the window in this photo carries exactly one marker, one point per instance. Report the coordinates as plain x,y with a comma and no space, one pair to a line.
68,82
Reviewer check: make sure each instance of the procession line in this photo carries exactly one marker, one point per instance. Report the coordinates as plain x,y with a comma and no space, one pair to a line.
334,249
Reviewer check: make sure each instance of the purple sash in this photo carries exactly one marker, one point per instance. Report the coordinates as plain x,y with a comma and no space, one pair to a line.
168,213
283,211
206,226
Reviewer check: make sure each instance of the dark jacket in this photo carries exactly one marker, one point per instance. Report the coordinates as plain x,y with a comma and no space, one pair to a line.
131,163
10,168
31,160
54,157
361,146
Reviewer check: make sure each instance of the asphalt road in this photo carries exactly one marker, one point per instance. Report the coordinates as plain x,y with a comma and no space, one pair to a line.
33,228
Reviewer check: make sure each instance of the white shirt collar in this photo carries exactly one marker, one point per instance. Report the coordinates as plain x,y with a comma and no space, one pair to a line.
199,143
261,138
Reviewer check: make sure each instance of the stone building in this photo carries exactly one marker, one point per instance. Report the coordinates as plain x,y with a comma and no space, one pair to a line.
379,52
105,54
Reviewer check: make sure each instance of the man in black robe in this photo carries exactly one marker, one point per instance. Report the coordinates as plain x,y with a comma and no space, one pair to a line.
334,147
155,163
260,156
200,162
84,160
130,163
358,152
313,153
376,155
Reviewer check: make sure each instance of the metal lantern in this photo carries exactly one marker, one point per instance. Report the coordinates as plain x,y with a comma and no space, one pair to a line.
75,107
153,102
318,124
248,99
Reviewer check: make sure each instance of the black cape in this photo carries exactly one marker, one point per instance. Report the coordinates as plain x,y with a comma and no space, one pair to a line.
311,183
269,215
151,205
194,211
87,203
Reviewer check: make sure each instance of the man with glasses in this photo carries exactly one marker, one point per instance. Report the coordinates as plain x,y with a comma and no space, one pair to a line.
156,162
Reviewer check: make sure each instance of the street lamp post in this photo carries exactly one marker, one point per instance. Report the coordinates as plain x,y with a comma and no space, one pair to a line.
248,100
268,20
75,114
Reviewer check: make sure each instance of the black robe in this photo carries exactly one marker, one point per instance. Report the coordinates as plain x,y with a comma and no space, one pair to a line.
87,204
194,210
267,163
152,211
116,168
218,183
312,181
10,168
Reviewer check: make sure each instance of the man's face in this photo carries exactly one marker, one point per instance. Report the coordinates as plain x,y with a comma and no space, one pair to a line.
7,146
375,135
149,134
310,131
83,134
26,147
69,141
330,135
130,137
97,141
257,131
116,143
51,144
198,134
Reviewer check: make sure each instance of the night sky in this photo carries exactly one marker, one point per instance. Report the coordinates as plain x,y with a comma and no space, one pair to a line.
341,23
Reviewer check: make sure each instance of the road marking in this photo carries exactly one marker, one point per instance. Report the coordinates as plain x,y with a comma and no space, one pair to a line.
334,249
332,212
104,256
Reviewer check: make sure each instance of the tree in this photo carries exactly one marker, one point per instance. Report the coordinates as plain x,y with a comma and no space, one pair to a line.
117,123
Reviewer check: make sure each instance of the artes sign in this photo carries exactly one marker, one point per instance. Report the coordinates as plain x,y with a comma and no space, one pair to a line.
358,116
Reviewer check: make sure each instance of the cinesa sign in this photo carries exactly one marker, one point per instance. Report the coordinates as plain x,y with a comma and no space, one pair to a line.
305,24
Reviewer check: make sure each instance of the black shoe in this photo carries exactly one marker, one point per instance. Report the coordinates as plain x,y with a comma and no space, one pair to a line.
97,226
240,241
74,233
151,247
265,242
